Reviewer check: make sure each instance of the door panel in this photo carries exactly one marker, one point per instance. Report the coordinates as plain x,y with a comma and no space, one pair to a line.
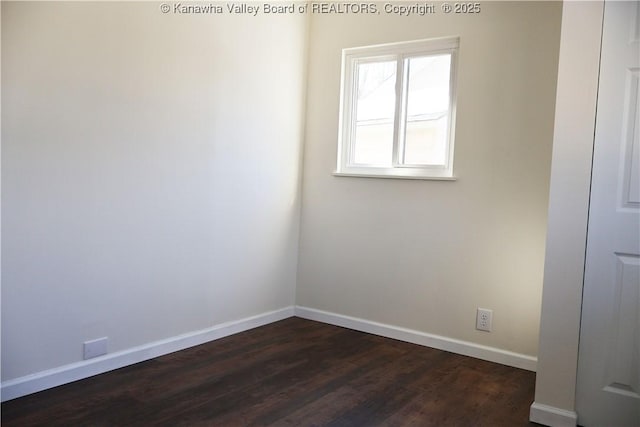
608,389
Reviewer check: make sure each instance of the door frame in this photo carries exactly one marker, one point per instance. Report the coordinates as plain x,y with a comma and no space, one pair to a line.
575,118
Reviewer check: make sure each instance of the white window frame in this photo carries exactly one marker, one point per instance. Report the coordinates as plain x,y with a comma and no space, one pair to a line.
351,57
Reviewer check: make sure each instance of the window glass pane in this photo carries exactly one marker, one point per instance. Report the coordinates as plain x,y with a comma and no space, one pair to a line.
375,110
425,139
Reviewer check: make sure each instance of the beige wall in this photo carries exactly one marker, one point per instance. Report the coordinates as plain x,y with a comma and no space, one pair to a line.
424,254
150,174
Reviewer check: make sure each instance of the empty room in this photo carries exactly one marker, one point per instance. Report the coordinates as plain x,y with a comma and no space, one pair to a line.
252,213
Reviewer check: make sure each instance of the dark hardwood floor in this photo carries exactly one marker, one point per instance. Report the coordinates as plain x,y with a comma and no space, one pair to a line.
290,373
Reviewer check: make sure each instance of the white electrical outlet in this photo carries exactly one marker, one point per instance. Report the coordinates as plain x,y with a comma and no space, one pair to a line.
95,348
483,319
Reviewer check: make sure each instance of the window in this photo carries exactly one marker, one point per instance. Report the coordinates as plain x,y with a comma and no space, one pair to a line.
398,110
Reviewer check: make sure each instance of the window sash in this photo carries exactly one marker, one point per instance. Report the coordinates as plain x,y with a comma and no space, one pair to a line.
401,54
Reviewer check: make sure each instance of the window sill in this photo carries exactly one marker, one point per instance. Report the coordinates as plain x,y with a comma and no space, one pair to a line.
384,176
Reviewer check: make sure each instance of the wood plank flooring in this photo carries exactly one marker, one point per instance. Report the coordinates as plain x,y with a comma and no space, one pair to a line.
294,372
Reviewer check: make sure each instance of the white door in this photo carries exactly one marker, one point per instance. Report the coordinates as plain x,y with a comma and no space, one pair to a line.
608,389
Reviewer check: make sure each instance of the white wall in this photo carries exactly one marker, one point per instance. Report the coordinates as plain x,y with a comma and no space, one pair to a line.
568,212
150,174
424,254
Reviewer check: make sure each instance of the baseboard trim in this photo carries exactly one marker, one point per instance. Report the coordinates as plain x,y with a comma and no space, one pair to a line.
552,416
39,381
452,345
76,371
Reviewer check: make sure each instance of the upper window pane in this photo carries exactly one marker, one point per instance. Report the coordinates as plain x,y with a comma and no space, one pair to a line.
375,110
427,124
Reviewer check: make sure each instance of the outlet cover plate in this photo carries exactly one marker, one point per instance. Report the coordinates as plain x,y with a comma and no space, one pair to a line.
484,319
95,348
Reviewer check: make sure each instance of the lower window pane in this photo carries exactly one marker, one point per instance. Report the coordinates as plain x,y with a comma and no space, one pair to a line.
374,144
425,142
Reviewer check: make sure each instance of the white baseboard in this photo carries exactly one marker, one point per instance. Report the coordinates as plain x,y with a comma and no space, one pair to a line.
39,381
552,416
452,345
76,371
